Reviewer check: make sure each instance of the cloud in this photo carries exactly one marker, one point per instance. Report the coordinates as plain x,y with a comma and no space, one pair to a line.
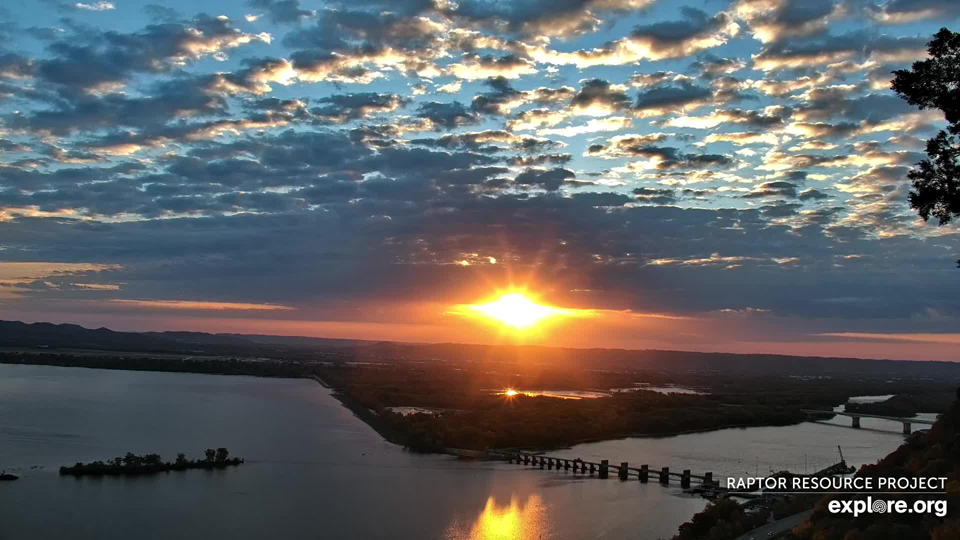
450,88
655,157
473,67
786,190
446,115
101,5
743,137
540,17
768,118
197,305
550,180
774,20
832,49
908,11
711,67
951,339
654,196
103,62
342,108
16,278
281,11
626,145
818,130
597,97
673,97
697,31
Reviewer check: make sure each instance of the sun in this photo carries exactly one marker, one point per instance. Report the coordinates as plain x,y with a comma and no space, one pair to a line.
519,312
516,310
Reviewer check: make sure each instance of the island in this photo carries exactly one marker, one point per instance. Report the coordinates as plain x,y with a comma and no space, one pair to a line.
133,464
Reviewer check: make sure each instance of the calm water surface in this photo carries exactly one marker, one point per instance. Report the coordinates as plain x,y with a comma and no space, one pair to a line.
315,471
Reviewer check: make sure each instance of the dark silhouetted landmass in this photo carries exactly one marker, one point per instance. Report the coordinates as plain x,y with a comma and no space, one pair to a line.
47,337
907,405
133,464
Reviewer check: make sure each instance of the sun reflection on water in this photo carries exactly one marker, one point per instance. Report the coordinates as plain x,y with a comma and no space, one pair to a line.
514,521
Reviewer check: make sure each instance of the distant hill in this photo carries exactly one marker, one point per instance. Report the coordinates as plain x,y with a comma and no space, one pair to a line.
72,336
48,336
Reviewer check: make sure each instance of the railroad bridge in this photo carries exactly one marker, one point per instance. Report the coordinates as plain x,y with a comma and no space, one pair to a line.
603,468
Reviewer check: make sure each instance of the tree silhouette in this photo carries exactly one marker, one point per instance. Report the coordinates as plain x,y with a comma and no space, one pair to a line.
210,454
222,454
935,84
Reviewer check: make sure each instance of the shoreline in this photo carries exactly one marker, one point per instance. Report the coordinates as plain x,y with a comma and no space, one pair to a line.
366,415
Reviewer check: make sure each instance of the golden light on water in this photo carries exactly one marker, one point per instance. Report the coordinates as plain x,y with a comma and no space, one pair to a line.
518,311
511,522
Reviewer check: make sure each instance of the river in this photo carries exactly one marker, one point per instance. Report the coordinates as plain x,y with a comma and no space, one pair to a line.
315,471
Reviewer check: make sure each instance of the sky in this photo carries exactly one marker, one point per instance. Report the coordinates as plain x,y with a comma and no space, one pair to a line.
703,175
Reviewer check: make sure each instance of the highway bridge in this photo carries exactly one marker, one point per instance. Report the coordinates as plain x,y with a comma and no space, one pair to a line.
907,422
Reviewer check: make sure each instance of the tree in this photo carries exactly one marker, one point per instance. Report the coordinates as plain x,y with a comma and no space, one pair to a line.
222,454
210,454
935,84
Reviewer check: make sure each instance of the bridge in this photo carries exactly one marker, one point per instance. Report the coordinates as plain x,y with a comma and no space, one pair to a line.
907,422
603,468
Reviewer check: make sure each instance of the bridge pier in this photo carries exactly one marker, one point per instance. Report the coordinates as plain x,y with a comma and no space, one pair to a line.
906,428
566,464
550,463
685,479
665,475
604,468
591,469
542,462
624,471
644,473
526,459
856,421
707,478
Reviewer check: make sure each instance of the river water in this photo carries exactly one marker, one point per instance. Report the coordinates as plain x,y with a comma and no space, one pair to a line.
314,471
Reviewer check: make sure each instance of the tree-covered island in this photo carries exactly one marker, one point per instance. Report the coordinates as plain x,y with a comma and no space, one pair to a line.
152,464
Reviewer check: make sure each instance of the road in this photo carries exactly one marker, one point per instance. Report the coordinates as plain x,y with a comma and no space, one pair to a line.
775,529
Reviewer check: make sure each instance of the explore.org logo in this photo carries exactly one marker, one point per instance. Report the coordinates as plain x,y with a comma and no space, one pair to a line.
880,506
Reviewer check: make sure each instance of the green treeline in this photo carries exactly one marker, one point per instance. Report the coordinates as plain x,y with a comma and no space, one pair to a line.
152,463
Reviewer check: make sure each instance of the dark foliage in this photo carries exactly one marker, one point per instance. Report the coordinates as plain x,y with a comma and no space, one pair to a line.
132,464
907,405
721,520
935,84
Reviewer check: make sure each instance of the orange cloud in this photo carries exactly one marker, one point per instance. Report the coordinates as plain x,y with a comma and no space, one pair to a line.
952,339
202,306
